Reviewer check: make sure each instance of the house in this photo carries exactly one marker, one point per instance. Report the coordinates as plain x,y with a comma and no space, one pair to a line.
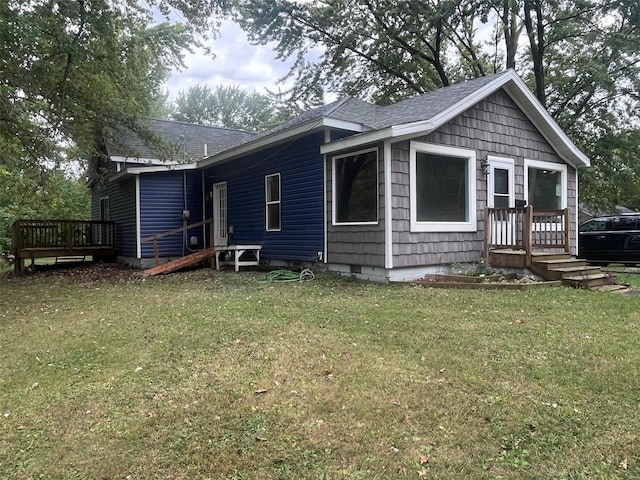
383,193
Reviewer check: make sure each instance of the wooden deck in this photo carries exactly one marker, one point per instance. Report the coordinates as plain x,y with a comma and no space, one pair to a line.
33,239
513,235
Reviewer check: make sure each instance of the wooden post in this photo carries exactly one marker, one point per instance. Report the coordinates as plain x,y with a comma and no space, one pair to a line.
526,234
487,233
567,231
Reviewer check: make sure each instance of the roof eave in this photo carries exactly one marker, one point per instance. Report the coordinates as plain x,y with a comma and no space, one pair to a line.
290,133
514,87
151,169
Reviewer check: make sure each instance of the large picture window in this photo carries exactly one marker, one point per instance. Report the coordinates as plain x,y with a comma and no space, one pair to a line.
272,196
442,188
355,188
546,185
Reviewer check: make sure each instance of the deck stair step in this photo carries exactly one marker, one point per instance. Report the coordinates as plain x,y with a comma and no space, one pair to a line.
587,281
612,288
540,256
558,273
560,263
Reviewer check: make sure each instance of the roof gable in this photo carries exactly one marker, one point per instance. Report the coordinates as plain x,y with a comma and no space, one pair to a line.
423,114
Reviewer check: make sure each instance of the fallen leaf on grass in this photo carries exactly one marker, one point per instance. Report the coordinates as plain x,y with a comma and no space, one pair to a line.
261,390
422,473
624,464
423,459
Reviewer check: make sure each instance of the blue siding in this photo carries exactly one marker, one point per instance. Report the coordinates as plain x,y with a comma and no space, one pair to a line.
162,200
300,166
122,205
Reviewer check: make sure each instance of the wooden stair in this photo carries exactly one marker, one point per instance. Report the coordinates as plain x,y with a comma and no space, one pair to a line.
182,262
573,272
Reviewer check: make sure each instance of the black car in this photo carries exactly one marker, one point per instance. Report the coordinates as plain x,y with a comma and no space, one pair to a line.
611,239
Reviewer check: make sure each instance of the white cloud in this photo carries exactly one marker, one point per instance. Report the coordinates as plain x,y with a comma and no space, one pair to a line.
236,62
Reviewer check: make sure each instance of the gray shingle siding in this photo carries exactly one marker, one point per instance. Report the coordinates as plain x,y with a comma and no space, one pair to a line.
495,126
357,244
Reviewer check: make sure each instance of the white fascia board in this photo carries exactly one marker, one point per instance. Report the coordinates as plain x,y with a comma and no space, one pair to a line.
357,140
263,142
515,88
143,161
547,126
164,168
344,125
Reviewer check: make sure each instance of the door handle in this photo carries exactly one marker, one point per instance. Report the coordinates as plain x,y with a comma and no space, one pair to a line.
600,237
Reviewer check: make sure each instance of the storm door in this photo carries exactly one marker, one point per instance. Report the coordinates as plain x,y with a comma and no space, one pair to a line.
220,230
500,195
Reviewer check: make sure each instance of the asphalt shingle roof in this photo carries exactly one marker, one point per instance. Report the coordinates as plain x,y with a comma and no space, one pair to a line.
191,138
187,139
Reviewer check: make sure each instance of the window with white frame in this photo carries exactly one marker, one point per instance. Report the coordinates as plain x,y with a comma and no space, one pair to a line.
443,188
355,188
546,185
272,197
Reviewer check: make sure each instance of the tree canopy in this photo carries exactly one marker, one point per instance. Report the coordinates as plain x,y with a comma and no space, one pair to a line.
70,68
580,57
224,106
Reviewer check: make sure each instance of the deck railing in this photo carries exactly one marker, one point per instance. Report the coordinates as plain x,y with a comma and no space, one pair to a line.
522,228
62,234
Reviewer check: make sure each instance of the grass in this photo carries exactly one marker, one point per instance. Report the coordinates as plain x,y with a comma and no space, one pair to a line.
213,375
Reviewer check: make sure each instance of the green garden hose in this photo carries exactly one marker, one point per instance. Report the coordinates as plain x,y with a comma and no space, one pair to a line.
283,276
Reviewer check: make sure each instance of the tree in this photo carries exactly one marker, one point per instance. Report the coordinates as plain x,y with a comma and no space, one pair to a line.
580,57
71,68
231,107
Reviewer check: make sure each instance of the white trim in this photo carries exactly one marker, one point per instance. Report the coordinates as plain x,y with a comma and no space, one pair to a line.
471,224
138,227
146,160
357,140
152,169
268,202
504,164
514,87
216,240
334,204
542,165
539,116
270,140
343,125
388,207
325,198
574,248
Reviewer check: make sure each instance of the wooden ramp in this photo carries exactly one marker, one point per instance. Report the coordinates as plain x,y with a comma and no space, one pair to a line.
183,262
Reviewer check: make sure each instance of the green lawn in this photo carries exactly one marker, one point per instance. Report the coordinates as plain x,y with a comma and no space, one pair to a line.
202,374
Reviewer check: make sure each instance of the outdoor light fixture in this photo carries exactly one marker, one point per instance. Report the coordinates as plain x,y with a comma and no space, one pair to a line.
485,166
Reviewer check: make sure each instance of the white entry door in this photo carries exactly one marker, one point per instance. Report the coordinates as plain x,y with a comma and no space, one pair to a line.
220,231
501,195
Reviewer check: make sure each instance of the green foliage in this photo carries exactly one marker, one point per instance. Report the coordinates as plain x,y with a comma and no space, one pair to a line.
28,191
581,58
70,70
228,107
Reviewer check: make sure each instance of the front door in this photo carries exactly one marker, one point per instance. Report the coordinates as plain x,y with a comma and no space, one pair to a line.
501,195
220,231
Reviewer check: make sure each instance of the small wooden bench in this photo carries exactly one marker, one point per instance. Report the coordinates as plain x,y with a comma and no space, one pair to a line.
238,251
